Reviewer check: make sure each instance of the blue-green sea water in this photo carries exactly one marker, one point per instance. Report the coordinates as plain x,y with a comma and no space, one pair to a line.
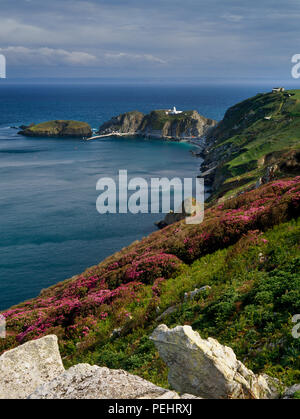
50,229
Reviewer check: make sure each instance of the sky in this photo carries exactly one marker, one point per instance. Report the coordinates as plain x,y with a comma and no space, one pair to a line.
168,39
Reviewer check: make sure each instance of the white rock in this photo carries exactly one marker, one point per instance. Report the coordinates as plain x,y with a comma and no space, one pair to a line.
84,381
190,295
24,368
205,368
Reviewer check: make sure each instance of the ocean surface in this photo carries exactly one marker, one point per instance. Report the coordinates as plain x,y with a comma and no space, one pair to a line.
50,228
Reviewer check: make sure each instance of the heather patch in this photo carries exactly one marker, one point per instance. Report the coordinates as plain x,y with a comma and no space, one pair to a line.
108,291
254,292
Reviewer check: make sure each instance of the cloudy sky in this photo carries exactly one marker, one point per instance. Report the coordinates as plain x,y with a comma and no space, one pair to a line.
224,39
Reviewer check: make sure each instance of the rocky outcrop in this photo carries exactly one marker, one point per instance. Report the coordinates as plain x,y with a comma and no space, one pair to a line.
192,294
28,366
291,392
159,124
84,381
57,129
168,311
188,208
35,370
230,166
128,122
206,368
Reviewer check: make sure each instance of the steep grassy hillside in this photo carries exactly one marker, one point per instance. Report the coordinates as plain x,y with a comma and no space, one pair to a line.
254,134
126,290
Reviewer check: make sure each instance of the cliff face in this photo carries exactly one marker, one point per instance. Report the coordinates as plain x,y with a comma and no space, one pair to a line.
159,124
58,129
126,122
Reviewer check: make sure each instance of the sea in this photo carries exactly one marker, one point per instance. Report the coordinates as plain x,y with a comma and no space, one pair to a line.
50,227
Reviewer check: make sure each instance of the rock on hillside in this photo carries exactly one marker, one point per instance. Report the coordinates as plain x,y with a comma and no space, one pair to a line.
26,367
35,370
58,129
159,124
206,368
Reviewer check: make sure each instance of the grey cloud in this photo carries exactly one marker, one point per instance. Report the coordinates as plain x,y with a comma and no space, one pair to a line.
192,37
49,56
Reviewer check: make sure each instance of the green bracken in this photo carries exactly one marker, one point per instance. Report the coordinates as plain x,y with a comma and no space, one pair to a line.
255,291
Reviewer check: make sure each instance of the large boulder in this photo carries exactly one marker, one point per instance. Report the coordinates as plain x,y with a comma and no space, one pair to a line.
28,366
84,381
205,368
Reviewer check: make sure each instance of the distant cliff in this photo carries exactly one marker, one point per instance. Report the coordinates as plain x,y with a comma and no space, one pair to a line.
57,129
257,141
159,124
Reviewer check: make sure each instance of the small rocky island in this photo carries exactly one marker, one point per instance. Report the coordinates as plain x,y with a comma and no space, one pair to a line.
169,124
57,128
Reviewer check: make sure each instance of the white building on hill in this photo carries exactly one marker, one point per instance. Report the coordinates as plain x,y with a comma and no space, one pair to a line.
173,111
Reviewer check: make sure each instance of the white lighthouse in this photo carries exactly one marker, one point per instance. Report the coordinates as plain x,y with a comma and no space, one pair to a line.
173,111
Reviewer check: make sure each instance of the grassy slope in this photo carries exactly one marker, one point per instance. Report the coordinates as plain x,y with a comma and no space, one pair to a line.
255,290
245,137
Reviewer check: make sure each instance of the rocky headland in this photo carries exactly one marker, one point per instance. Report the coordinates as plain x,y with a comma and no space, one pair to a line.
159,124
199,368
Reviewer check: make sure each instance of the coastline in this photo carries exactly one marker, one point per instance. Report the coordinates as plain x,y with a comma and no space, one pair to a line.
190,140
53,152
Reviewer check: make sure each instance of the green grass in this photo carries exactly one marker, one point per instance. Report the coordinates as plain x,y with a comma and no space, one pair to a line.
57,124
159,118
255,291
